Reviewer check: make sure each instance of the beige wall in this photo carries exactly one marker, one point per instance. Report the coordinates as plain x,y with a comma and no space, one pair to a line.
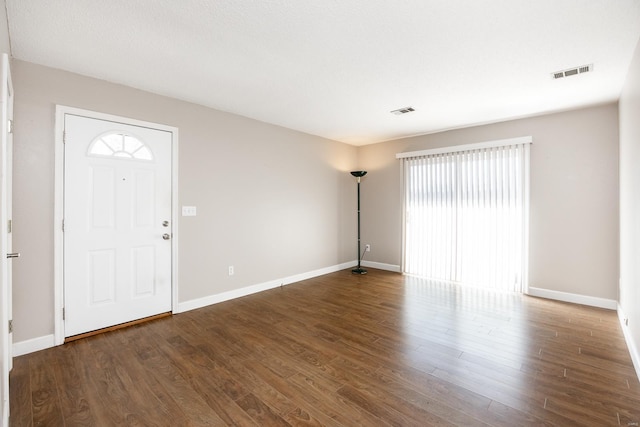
271,201
574,196
630,200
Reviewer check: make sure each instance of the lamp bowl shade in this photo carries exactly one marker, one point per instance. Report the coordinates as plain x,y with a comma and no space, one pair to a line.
358,173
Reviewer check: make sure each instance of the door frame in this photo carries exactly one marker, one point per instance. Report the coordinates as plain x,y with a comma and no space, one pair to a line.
6,168
58,215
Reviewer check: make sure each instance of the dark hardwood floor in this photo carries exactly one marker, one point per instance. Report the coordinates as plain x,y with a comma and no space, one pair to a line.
343,350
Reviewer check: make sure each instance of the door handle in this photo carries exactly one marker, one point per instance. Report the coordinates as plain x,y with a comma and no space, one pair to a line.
14,255
165,236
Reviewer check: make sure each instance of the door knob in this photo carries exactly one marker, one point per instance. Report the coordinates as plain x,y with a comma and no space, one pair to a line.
165,223
14,255
165,236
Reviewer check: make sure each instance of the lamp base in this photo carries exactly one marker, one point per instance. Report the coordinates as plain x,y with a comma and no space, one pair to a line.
359,271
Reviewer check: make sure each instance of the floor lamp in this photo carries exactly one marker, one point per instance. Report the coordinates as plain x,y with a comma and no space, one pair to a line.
359,270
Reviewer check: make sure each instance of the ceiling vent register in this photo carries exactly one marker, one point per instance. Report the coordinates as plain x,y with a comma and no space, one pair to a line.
401,111
572,71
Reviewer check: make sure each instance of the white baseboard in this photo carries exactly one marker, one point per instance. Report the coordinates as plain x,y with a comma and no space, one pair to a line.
33,345
574,298
225,296
381,266
633,349
248,290
315,273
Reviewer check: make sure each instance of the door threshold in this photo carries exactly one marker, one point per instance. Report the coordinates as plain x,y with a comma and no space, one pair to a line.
116,327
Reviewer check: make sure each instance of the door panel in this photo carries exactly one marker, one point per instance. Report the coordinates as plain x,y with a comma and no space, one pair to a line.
117,266
101,270
102,196
143,274
144,192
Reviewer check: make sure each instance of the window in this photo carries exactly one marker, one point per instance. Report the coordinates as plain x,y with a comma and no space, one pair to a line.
120,145
466,214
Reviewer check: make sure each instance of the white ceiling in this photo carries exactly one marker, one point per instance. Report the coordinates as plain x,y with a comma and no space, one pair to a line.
336,68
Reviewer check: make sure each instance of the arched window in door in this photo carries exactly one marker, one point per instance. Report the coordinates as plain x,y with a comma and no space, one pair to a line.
122,145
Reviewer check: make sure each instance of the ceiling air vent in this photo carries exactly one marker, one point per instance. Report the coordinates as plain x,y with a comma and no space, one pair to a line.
572,71
404,110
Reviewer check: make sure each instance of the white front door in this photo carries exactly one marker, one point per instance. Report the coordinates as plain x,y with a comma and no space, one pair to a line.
117,223
6,96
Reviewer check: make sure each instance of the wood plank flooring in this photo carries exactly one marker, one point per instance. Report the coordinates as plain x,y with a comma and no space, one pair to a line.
381,349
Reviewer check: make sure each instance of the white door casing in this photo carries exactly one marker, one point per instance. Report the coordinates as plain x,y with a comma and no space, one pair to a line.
117,206
8,132
6,96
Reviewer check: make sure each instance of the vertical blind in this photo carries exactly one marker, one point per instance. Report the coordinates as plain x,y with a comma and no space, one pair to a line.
466,214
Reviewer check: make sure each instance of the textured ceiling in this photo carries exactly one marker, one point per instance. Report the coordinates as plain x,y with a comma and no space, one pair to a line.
336,68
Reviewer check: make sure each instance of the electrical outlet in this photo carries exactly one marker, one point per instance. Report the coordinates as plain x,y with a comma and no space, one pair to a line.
367,248
231,271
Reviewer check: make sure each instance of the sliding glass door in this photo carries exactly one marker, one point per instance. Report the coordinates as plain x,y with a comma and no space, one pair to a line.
466,214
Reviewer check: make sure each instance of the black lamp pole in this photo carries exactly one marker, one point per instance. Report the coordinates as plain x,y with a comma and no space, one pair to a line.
359,270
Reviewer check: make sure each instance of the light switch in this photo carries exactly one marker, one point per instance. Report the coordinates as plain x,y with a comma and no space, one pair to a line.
188,211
